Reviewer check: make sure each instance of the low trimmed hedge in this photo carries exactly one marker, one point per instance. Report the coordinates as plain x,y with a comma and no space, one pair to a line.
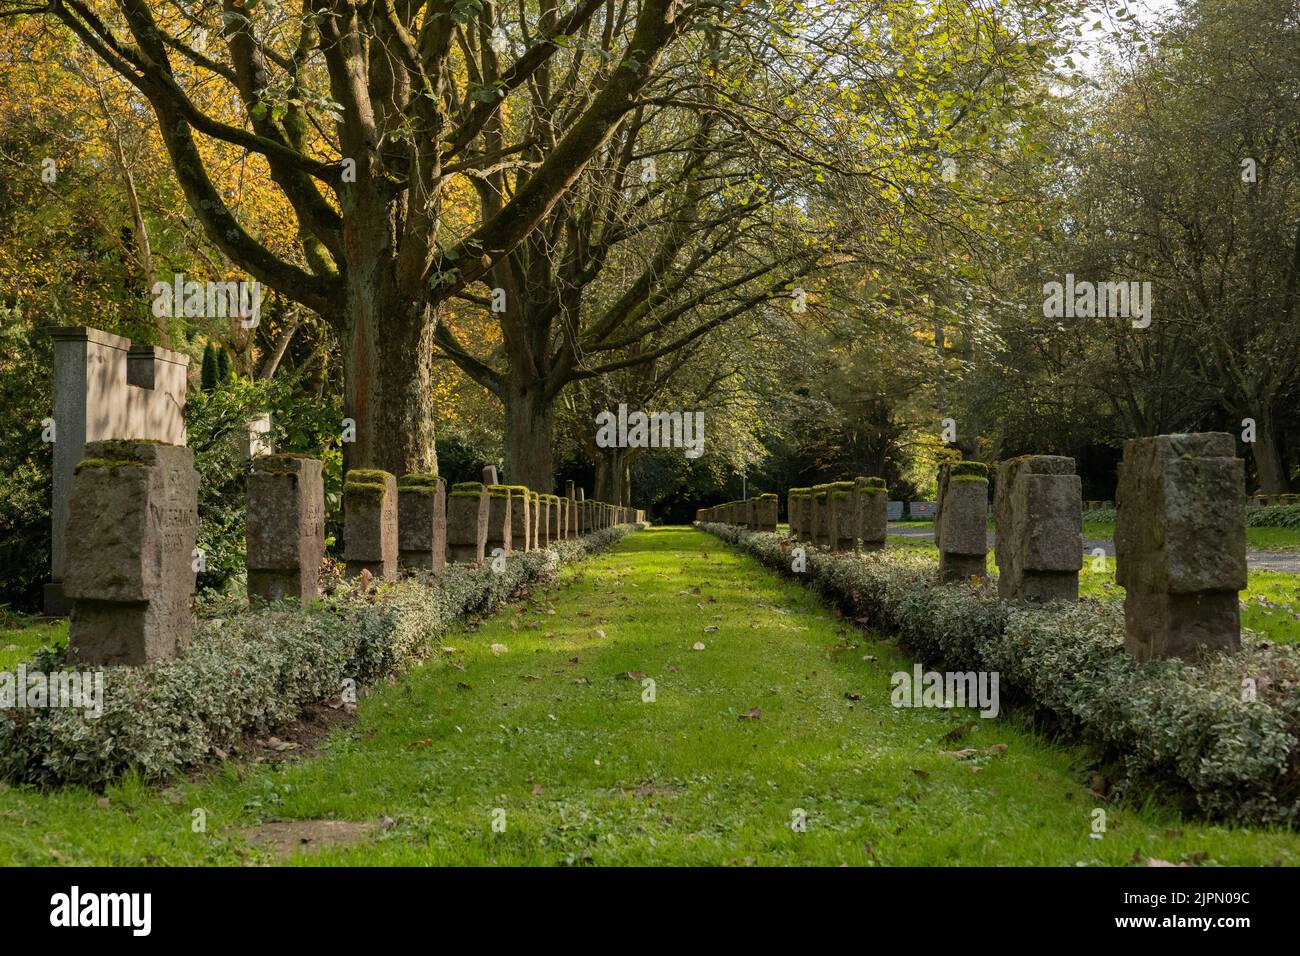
1274,516
255,671
1180,730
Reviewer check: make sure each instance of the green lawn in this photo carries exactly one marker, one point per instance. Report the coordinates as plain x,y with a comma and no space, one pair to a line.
21,636
547,733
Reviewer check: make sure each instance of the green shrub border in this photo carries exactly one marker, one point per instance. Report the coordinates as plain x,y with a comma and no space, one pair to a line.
1177,731
255,671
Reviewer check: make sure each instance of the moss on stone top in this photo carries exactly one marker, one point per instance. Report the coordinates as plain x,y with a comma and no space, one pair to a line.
367,476
429,490
968,469
871,484
499,491
112,463
365,489
768,496
466,489
980,478
281,463
418,478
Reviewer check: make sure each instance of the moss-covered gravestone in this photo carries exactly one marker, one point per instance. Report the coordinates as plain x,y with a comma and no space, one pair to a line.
501,519
1038,507
467,523
821,515
765,512
521,520
370,522
961,524
1180,544
571,511
422,522
843,523
871,507
130,563
797,507
545,521
535,521
285,530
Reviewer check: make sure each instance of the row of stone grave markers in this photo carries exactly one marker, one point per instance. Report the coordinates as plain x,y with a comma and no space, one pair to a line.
756,514
130,563
1180,533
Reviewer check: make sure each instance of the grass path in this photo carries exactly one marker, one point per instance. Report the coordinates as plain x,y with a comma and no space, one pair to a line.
549,736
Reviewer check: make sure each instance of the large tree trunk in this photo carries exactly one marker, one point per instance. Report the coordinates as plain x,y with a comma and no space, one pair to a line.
613,476
388,356
530,423
1268,458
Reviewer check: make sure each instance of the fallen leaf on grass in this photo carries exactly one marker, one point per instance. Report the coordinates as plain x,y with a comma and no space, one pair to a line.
697,646
635,675
599,632
850,696
464,686
710,629
538,790
921,773
752,714
498,649
426,742
965,754
531,677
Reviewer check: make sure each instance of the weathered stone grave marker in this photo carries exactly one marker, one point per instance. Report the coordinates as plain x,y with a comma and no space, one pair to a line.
961,524
1180,544
422,522
871,523
129,565
467,523
1039,513
285,531
370,522
501,519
